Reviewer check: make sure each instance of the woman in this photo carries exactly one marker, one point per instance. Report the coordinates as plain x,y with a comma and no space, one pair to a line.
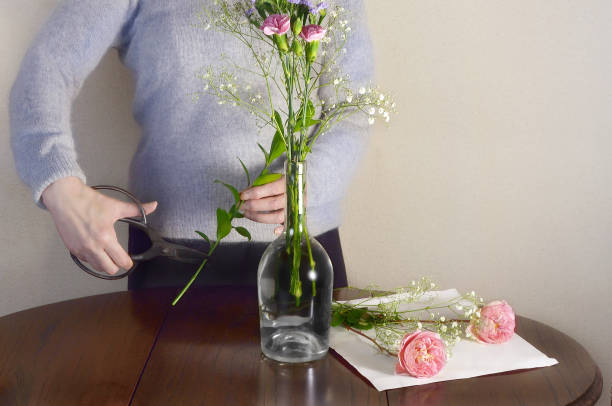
184,147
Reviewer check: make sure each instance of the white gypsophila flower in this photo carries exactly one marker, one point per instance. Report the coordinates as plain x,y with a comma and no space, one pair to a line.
443,328
371,120
372,111
349,98
454,324
381,111
419,325
442,318
362,90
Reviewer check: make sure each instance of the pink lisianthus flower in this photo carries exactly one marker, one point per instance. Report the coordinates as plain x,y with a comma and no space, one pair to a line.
495,325
422,354
312,33
277,24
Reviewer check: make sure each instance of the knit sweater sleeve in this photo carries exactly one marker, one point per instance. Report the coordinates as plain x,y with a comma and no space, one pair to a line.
68,47
337,153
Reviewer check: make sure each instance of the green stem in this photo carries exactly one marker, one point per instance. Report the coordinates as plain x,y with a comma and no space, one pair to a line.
195,275
380,347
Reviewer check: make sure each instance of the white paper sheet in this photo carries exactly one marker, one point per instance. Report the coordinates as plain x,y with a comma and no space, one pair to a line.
469,358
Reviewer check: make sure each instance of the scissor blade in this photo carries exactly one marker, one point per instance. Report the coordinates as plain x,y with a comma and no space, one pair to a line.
186,254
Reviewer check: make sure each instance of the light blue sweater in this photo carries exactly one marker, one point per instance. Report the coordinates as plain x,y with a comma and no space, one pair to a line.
184,146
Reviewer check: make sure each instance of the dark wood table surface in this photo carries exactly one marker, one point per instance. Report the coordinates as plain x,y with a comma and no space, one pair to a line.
134,348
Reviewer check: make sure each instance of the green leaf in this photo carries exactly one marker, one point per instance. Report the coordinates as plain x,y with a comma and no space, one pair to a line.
201,234
243,232
354,315
309,123
269,8
234,213
310,110
231,189
278,146
246,171
364,325
261,11
264,179
337,319
265,153
224,224
279,122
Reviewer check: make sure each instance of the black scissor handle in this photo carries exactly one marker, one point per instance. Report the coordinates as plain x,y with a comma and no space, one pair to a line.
136,222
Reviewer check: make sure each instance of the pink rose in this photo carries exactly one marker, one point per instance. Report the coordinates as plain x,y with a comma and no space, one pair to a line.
276,24
312,33
422,354
496,323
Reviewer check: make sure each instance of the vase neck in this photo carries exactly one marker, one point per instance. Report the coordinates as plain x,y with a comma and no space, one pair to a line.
295,177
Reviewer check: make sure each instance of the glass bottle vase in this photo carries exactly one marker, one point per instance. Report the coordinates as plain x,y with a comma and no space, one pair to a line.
294,283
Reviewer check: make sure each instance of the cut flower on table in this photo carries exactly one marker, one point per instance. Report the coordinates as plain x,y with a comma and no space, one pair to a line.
420,337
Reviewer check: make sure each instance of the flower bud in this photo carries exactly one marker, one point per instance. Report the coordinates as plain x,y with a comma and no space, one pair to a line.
297,48
296,26
311,51
281,43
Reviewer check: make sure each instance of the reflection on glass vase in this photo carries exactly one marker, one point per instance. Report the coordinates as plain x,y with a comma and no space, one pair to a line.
294,283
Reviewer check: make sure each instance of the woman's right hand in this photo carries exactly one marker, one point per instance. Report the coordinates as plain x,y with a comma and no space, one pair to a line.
85,220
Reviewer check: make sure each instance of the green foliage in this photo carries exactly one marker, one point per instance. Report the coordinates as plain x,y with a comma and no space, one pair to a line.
224,224
231,189
279,122
277,148
246,171
266,154
309,123
243,232
234,213
201,234
266,178
310,110
356,317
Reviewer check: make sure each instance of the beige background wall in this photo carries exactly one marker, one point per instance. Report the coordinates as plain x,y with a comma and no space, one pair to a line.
495,176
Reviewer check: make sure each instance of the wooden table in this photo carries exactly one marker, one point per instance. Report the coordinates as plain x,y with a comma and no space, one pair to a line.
133,348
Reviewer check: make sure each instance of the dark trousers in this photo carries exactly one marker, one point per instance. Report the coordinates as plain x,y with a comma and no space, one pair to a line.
232,264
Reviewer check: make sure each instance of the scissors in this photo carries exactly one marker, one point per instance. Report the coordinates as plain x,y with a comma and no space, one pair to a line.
159,246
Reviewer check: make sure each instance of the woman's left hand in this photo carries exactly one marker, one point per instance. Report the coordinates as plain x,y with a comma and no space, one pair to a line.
265,203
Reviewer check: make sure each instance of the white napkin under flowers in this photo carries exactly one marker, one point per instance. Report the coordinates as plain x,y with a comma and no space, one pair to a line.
469,358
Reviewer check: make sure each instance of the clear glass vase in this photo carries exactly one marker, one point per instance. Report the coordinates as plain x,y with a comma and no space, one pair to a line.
294,283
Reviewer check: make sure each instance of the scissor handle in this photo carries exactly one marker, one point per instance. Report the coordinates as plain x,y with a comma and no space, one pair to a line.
141,222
